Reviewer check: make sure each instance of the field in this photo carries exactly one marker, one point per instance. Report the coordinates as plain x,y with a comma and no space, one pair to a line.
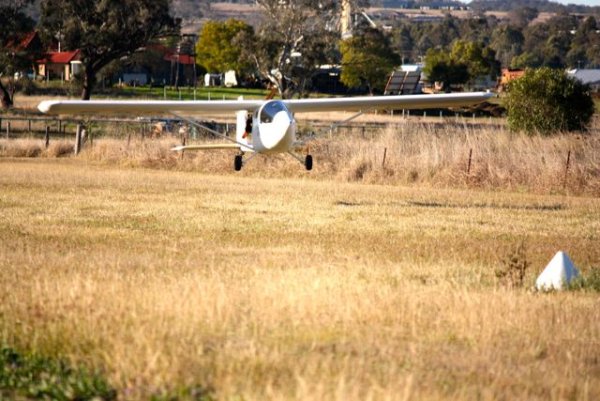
251,288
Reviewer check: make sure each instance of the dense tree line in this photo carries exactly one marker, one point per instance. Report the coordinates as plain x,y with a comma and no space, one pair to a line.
540,5
295,37
563,41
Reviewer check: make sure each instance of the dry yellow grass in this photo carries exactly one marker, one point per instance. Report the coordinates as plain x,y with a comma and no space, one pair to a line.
293,289
415,154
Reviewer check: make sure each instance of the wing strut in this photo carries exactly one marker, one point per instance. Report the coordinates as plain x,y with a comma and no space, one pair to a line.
334,126
243,146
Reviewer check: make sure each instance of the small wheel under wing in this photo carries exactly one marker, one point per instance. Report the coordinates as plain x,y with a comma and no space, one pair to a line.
238,162
308,162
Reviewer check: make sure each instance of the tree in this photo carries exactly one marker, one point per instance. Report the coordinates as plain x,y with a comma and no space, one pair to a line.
464,62
283,40
475,29
14,23
479,59
534,38
104,30
593,43
507,42
546,100
443,33
217,49
441,67
292,41
367,58
585,45
403,42
525,60
522,16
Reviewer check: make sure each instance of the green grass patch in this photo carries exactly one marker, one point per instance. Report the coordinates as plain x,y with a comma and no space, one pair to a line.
189,93
28,376
33,377
589,282
58,88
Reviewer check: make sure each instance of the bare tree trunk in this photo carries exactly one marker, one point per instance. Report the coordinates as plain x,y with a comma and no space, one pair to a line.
6,96
89,80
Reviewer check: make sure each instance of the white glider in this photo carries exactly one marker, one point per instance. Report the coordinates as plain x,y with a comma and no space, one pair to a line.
263,126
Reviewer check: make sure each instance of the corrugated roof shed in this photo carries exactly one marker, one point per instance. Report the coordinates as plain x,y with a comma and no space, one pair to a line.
586,76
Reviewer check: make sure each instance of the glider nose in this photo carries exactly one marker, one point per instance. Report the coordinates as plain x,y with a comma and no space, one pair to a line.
280,132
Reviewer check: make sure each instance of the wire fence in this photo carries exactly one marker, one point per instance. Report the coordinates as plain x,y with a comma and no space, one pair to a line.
53,128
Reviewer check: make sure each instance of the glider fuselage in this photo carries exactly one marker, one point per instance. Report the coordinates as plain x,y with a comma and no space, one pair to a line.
274,128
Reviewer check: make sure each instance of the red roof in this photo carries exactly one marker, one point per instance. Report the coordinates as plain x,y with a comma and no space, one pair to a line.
26,41
171,55
60,57
184,59
22,42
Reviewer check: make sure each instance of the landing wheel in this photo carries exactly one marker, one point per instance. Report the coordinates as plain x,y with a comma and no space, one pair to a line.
308,162
237,162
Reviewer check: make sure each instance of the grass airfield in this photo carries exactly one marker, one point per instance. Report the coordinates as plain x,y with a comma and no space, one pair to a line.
294,289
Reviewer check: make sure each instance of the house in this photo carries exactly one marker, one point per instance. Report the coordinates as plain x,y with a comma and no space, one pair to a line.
30,47
29,43
157,65
60,65
589,77
508,75
183,68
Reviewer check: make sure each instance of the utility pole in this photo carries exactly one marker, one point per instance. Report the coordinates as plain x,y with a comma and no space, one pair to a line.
346,19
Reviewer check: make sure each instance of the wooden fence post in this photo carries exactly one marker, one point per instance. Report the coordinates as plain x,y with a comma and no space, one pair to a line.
567,170
384,155
47,137
183,143
7,130
469,164
78,139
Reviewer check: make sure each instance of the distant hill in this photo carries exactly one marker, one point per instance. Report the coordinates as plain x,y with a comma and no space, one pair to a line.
540,5
415,3
202,8
189,8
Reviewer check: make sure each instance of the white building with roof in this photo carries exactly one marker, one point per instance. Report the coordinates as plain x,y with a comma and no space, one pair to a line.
590,77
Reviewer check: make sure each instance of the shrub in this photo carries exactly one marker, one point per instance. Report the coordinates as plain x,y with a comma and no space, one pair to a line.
590,282
29,376
546,100
25,86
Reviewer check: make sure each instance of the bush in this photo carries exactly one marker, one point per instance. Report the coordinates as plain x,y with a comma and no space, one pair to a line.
30,376
25,86
546,100
590,282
